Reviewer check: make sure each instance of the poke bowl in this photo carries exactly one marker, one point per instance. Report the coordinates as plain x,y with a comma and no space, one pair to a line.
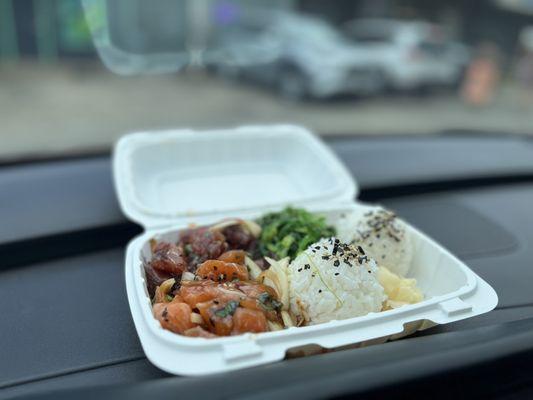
254,247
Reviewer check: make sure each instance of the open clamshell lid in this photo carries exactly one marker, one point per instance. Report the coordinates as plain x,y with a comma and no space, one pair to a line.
166,177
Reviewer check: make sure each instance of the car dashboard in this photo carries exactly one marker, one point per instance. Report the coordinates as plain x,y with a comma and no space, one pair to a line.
67,329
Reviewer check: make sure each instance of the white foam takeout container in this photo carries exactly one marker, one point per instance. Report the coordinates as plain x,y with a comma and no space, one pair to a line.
167,180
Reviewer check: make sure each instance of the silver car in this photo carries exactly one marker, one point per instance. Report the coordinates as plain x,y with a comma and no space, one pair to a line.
299,55
409,54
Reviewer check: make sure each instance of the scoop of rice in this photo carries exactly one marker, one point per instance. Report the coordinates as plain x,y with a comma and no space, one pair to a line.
333,280
383,236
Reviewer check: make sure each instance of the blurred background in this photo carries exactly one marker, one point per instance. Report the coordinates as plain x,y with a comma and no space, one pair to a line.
75,75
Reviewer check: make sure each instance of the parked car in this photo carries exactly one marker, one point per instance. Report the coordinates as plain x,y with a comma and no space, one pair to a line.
298,55
409,55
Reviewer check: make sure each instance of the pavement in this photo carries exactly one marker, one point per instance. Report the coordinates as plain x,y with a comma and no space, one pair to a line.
51,109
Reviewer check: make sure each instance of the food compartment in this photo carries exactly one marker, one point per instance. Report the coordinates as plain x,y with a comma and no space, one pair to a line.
438,274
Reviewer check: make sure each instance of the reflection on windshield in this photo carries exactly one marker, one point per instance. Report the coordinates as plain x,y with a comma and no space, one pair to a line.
76,75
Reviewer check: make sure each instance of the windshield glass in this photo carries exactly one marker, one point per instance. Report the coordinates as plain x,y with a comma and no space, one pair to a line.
76,75
313,30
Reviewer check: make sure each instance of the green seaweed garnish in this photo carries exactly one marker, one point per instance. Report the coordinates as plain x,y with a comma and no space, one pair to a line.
228,310
268,303
289,232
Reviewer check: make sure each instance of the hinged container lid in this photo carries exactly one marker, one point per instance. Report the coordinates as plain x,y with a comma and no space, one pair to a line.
166,177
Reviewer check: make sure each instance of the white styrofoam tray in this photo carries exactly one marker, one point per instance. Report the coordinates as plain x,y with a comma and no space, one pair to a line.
167,180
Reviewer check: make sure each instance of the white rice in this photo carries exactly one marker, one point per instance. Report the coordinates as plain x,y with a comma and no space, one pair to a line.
381,234
331,280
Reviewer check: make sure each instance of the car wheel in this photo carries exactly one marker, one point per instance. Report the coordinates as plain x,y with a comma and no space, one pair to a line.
292,84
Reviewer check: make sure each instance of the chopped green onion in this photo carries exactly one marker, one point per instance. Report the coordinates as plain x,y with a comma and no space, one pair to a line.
228,310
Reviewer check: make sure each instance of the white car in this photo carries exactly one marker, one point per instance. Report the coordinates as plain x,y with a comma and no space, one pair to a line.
411,54
299,55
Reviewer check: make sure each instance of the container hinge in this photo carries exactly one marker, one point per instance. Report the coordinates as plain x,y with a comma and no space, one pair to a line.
243,349
454,306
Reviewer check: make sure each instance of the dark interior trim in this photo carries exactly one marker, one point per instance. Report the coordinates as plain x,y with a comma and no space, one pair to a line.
415,189
483,362
46,248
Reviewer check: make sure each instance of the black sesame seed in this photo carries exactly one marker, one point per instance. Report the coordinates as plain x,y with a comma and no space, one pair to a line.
336,273
336,263
319,290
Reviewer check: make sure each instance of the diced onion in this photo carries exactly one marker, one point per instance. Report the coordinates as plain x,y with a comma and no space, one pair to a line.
224,224
253,268
187,276
196,318
301,315
287,320
162,290
167,285
278,274
251,226
274,326
269,279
